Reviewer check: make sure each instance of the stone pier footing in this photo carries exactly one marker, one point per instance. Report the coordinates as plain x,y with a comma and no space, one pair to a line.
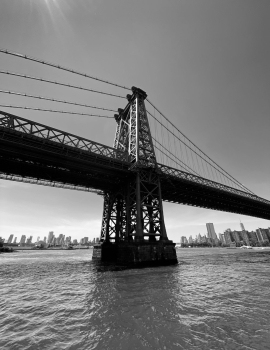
137,253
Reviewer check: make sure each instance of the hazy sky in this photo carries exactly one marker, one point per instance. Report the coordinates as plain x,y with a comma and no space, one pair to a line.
204,63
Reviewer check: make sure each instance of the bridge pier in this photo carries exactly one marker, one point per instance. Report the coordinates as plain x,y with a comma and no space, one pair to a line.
140,253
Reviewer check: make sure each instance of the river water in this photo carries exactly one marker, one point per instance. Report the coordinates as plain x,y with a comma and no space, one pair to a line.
213,299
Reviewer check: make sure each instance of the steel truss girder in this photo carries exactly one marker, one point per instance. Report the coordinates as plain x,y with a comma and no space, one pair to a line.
169,172
12,122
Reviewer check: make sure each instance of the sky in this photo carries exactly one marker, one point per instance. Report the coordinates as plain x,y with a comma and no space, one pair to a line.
204,63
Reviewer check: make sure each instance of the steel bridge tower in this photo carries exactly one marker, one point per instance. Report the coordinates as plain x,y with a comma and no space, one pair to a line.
133,221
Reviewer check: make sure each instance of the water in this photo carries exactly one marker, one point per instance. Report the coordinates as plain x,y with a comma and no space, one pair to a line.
213,299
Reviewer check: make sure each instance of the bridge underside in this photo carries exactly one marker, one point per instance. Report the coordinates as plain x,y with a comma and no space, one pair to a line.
33,157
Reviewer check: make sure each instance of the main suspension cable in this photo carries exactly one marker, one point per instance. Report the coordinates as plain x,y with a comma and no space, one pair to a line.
58,83
60,67
231,177
53,100
56,111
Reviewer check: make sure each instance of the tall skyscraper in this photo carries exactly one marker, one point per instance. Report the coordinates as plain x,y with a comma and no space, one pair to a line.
10,239
262,235
228,237
15,240
211,233
242,226
236,236
23,239
50,237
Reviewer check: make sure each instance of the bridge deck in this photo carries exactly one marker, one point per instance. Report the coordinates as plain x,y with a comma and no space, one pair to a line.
34,151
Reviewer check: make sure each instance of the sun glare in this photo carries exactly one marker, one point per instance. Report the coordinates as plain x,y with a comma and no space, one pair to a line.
53,12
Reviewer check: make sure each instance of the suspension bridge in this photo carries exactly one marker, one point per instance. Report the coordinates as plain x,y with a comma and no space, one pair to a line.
151,161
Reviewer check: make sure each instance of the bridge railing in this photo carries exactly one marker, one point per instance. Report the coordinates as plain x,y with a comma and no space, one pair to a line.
13,122
166,170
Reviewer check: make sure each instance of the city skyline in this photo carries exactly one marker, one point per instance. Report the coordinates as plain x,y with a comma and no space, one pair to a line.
37,237
233,238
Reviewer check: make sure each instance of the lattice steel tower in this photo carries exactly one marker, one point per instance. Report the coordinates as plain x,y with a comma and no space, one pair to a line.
133,211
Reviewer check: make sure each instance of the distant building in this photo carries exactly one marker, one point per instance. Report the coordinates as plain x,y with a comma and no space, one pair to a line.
10,239
190,240
23,239
242,226
237,237
68,240
29,240
15,240
211,233
75,242
222,238
228,237
60,239
184,240
262,235
50,237
252,237
45,240
203,239
268,233
245,236
38,239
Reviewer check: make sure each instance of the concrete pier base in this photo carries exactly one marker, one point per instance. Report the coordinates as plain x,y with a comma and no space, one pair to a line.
137,253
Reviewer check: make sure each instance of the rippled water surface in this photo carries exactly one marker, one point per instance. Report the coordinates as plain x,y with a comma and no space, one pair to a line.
213,299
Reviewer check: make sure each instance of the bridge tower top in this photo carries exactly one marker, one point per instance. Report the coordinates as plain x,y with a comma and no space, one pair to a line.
133,134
